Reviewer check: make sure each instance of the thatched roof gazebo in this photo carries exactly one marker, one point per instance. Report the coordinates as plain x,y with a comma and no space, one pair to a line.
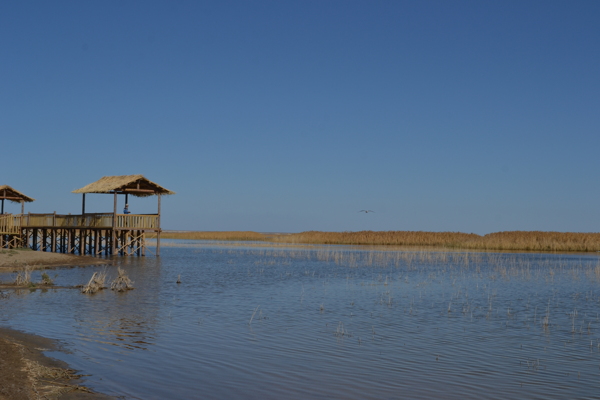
135,185
10,194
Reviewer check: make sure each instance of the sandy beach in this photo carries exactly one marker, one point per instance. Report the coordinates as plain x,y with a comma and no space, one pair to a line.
12,260
25,373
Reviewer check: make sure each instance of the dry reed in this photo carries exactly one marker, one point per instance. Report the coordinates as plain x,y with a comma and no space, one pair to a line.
233,235
23,276
510,240
95,284
121,282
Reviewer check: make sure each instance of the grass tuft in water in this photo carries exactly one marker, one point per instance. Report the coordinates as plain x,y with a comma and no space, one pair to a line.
96,283
121,282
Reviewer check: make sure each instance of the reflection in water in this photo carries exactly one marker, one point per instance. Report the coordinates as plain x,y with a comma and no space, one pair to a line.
128,333
329,322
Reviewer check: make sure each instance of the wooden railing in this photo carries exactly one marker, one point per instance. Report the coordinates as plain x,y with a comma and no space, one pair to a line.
12,223
141,221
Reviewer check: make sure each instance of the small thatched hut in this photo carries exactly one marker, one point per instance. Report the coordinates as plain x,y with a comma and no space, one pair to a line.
10,194
135,185
126,223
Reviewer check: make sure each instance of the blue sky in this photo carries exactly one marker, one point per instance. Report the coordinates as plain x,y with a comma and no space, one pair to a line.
472,116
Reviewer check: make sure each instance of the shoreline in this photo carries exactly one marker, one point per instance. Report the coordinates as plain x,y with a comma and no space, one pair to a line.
13,259
25,372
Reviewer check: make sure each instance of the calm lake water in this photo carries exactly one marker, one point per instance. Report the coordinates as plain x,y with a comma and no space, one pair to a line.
323,322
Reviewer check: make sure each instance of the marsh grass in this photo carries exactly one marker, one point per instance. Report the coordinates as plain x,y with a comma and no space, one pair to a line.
341,332
46,280
509,240
216,235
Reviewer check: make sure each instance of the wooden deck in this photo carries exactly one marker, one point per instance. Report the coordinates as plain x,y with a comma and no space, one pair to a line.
93,234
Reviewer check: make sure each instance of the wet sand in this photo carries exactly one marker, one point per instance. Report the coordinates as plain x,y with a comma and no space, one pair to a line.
25,373
12,260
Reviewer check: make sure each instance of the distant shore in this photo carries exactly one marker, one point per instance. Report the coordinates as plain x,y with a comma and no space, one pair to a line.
502,241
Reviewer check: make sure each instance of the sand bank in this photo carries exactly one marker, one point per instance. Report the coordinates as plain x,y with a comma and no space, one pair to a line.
12,260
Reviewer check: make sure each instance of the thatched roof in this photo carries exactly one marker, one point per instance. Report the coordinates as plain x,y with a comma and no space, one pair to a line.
135,185
8,193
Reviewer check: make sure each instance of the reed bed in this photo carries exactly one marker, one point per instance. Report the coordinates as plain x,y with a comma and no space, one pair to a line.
224,235
509,240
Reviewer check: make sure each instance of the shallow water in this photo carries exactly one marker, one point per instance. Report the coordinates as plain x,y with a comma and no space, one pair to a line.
327,322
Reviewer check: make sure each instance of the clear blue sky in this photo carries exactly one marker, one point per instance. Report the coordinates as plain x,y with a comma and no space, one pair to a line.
472,116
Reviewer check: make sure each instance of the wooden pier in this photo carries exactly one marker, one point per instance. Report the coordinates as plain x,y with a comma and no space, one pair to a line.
90,233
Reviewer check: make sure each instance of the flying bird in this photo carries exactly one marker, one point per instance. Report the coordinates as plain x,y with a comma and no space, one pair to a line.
366,211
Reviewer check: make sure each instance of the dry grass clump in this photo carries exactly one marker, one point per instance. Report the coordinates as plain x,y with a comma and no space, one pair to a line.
96,283
122,282
46,280
24,276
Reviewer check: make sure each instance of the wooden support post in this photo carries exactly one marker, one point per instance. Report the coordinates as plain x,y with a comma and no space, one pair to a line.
143,243
120,233
82,205
139,243
130,241
83,245
114,226
2,212
90,242
158,231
